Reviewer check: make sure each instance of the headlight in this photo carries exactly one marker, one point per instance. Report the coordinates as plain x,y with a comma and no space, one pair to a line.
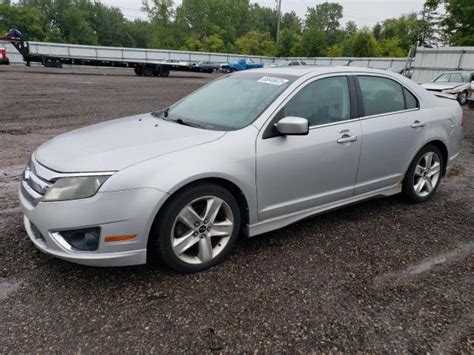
73,188
449,91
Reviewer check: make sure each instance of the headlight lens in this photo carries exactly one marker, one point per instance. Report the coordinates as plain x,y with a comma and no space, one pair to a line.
450,91
73,188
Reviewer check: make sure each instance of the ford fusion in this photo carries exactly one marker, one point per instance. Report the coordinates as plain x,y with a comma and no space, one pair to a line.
247,154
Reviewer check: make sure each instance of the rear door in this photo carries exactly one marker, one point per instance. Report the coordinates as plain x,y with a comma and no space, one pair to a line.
393,129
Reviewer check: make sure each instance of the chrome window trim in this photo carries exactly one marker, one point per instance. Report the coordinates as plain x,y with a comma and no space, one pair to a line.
389,114
333,123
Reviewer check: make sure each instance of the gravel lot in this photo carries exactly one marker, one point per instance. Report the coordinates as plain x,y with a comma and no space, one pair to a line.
382,276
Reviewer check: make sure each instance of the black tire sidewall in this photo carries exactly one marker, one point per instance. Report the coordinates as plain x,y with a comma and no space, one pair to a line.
160,245
408,189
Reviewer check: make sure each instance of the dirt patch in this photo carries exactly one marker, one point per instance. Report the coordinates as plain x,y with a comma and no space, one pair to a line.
313,287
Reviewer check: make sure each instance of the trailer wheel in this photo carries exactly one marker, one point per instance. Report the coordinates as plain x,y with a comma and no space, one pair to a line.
138,71
164,73
147,71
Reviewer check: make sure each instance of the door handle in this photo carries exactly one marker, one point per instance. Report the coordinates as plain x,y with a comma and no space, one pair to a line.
347,139
418,124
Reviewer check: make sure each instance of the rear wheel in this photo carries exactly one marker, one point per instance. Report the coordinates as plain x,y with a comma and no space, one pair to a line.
197,229
424,175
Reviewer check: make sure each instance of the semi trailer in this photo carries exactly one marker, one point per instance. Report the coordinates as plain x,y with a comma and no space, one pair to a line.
141,67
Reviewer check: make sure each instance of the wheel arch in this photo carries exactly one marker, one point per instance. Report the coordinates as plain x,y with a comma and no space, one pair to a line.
438,144
444,151
233,188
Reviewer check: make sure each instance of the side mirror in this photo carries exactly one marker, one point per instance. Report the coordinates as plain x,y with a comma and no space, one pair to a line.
293,126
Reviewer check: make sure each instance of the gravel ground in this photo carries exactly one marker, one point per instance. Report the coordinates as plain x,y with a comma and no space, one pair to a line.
381,276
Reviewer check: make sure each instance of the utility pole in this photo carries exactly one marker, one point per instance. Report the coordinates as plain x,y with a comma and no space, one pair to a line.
279,20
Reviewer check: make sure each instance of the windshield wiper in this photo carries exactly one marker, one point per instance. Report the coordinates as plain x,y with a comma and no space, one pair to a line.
188,123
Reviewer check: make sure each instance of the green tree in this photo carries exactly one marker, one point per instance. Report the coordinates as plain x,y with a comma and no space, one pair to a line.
256,43
390,47
459,22
290,43
326,17
405,28
335,50
313,43
364,44
30,20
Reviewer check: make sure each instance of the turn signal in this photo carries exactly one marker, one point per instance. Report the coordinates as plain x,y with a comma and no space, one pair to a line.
119,238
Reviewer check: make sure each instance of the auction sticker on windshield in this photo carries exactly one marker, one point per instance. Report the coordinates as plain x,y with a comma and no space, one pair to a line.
273,80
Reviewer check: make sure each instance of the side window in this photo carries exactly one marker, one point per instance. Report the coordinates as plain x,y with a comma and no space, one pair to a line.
381,95
322,101
456,78
410,100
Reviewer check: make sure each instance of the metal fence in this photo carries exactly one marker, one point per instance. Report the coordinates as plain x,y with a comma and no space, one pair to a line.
431,62
427,64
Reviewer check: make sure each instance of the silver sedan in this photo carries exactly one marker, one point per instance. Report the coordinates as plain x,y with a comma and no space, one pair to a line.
247,154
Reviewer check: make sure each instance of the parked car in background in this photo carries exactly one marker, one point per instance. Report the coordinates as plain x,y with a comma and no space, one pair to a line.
3,56
456,83
470,99
244,155
286,63
239,65
206,66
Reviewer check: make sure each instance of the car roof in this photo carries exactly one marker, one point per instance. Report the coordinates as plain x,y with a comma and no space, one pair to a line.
299,71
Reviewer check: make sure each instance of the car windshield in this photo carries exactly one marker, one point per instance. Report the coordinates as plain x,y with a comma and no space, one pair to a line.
443,78
453,78
230,103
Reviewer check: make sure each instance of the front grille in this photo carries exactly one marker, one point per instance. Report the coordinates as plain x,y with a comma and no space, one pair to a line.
33,186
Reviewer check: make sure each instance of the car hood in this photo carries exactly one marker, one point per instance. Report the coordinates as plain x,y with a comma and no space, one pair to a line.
117,144
441,87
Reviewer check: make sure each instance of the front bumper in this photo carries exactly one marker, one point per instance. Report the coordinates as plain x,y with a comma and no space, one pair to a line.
129,212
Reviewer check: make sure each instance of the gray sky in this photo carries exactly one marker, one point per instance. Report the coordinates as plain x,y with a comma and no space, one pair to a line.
363,12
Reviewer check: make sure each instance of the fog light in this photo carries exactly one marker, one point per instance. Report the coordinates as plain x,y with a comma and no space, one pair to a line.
82,239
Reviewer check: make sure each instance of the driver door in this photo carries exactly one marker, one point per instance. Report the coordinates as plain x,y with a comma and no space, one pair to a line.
295,173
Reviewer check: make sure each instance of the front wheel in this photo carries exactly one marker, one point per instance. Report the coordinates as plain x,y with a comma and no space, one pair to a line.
424,175
197,229
462,97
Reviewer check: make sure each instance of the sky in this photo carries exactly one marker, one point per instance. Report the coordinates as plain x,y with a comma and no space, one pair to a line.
362,12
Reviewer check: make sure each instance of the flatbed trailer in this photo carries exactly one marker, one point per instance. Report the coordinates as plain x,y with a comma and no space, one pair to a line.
141,68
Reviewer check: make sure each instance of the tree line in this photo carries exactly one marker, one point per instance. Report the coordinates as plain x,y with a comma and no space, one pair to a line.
237,26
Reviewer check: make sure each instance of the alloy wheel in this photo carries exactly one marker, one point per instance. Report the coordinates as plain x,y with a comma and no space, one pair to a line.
202,229
427,174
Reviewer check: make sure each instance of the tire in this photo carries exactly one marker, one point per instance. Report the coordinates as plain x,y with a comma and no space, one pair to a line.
164,73
138,71
188,241
462,97
414,188
147,71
